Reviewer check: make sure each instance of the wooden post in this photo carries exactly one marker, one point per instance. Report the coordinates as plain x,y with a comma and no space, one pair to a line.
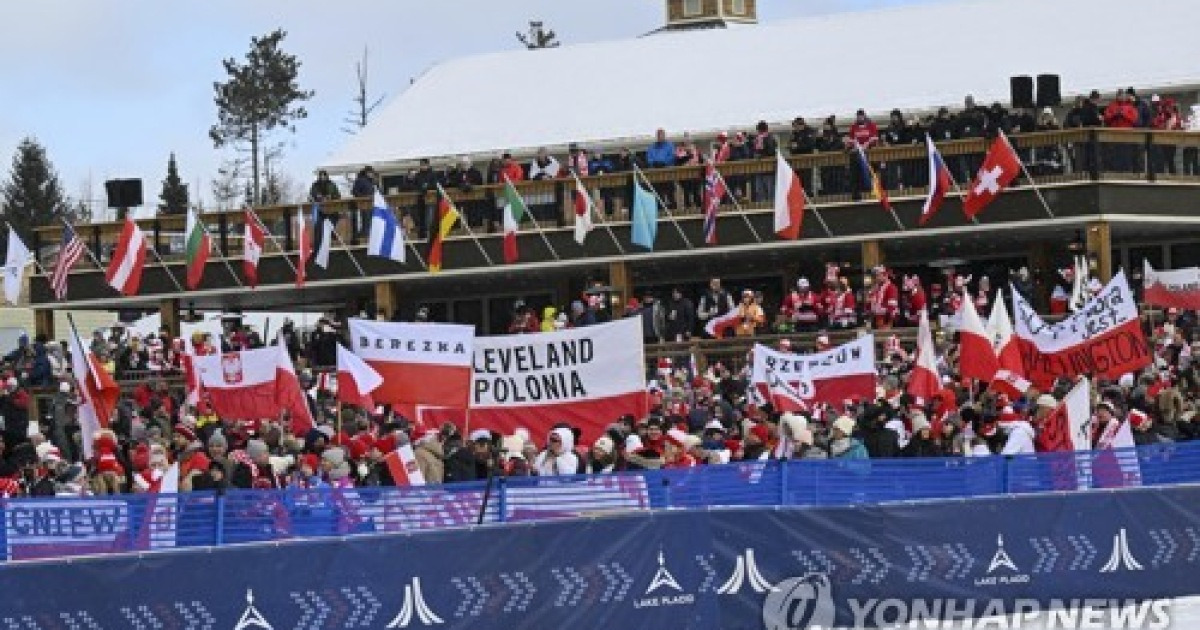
872,255
387,299
168,311
43,322
1099,248
621,280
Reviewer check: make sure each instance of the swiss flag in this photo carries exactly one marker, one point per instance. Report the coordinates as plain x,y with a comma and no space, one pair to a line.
923,382
999,168
356,379
977,358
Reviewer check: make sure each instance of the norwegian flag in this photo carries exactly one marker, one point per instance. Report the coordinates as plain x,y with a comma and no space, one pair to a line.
714,193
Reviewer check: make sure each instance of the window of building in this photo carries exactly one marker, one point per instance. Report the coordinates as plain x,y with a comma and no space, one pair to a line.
739,7
692,8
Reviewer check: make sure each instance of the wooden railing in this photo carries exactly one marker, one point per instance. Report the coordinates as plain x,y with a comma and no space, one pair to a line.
830,177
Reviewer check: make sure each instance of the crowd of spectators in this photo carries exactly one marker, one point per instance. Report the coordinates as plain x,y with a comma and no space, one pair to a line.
697,418
1127,109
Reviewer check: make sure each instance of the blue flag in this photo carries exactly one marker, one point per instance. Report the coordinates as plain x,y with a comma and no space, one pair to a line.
644,217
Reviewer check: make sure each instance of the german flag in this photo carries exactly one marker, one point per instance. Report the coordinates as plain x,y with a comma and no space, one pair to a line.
447,216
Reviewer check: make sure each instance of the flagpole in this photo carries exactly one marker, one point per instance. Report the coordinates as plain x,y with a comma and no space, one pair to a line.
670,215
259,221
466,224
736,204
346,248
809,203
862,153
1032,183
212,247
596,211
166,269
86,248
533,220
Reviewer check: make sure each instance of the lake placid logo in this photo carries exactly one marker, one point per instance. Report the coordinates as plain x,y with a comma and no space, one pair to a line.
415,605
664,580
251,618
800,603
1002,569
1121,556
231,368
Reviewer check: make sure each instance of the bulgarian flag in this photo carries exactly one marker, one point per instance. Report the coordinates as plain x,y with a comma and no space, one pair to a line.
514,212
198,247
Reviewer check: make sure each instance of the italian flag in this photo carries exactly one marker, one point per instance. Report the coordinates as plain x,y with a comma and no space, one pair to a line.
514,213
198,248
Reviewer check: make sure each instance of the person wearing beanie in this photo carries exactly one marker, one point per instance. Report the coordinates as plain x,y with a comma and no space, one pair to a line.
842,444
677,447
109,477
150,478
252,467
758,437
922,443
602,456
336,468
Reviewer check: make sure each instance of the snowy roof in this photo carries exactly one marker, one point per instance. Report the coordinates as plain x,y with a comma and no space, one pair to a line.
913,58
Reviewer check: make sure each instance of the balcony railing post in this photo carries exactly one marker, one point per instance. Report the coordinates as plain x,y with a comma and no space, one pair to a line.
287,230
96,247
158,236
1093,155
1151,157
223,232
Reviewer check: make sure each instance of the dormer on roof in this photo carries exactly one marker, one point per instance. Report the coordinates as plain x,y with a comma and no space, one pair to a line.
702,14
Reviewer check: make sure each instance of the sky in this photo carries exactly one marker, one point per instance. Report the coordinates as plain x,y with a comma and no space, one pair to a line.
112,87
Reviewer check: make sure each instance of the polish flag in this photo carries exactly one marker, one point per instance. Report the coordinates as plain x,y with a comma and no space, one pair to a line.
255,385
722,325
1009,377
421,364
128,260
923,382
402,463
789,200
355,379
252,248
98,392
976,357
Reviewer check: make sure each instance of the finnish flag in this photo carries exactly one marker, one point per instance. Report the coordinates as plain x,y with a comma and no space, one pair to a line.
387,235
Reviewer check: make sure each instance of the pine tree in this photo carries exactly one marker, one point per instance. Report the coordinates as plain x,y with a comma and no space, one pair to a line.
174,193
32,196
261,95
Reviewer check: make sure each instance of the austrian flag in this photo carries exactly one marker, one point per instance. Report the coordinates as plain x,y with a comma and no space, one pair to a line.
128,260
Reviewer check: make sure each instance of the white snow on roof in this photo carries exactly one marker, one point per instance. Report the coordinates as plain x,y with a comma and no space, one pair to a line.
912,58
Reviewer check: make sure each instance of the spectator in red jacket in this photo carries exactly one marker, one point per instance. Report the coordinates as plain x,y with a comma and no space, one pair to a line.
1121,114
864,131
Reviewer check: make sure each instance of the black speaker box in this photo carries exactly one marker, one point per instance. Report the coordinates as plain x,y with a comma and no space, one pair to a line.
1049,93
124,193
1022,92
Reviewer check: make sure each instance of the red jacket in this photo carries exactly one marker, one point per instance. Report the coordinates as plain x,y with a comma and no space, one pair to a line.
867,134
1120,115
513,171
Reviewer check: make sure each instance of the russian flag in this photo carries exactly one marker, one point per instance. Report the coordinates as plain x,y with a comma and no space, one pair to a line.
939,182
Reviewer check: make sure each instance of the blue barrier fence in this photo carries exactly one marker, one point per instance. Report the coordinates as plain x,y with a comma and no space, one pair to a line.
725,568
40,528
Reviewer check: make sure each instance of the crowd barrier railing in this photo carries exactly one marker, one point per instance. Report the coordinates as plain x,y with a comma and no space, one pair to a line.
59,527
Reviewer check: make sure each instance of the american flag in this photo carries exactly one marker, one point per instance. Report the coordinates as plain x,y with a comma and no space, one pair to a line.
714,192
68,255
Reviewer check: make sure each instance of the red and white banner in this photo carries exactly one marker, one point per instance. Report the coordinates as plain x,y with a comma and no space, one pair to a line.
254,385
832,376
402,464
128,260
1172,289
1102,339
1010,378
587,377
421,364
